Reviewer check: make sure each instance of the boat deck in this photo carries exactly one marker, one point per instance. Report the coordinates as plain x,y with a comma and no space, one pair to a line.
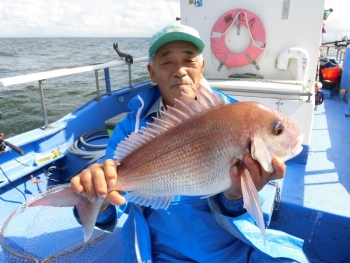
315,203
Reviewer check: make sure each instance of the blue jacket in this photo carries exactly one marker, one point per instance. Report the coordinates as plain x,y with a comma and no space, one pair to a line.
194,229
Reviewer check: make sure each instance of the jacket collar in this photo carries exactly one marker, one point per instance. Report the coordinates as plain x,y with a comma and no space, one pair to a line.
149,97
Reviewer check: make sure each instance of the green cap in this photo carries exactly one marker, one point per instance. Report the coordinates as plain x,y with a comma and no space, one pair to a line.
174,33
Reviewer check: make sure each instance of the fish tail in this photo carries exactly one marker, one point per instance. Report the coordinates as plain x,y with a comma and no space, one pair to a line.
252,202
66,197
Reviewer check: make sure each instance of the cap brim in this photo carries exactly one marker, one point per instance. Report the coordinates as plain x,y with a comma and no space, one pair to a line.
176,36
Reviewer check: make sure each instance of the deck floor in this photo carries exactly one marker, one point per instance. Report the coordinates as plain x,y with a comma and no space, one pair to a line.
316,197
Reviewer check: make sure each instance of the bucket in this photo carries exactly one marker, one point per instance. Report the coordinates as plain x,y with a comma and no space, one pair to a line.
331,74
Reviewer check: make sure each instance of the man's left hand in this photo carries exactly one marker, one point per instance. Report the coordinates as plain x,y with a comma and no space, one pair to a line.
259,176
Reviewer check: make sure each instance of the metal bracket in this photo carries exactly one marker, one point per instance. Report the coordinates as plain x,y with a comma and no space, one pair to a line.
222,62
51,171
277,201
128,58
251,61
285,9
238,25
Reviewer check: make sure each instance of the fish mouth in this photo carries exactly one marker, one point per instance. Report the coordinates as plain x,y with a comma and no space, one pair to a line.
297,147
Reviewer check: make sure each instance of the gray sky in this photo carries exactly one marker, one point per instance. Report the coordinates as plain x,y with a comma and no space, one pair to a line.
117,18
338,23
77,18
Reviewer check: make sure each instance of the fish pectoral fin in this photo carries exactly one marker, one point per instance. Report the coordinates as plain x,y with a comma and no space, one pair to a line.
261,153
207,196
252,202
155,202
88,212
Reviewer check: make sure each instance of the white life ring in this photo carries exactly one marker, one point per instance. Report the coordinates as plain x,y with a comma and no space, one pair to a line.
257,33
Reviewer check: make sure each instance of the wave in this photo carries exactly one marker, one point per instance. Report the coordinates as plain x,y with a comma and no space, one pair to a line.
20,104
7,54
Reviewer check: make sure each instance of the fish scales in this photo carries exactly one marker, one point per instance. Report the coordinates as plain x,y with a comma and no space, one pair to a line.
192,159
182,172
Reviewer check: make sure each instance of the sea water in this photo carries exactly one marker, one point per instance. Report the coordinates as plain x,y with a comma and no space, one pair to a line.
20,105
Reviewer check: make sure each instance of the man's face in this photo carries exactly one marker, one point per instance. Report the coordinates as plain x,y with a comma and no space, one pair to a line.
176,67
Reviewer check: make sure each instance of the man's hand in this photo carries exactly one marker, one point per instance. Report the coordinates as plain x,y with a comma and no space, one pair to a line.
94,182
259,175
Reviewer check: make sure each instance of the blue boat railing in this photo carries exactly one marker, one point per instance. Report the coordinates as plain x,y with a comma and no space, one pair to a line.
41,76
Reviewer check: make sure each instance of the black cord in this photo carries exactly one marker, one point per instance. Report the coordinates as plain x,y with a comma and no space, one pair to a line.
25,198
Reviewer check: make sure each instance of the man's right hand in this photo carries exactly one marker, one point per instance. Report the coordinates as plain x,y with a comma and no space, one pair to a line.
95,181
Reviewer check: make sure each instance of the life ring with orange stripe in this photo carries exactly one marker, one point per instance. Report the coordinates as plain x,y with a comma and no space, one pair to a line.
257,42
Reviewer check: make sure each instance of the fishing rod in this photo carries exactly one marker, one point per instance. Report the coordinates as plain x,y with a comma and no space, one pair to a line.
4,143
344,42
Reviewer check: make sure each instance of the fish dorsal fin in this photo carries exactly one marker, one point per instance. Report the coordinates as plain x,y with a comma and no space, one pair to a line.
184,109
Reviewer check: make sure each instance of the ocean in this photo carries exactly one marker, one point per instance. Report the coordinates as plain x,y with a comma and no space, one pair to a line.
20,105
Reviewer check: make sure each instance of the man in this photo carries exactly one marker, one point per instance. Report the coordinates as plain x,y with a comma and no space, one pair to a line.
188,231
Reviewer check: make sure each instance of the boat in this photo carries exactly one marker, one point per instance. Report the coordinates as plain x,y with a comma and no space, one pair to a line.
330,67
311,203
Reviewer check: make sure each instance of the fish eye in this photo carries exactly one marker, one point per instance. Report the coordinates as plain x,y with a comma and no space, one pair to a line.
278,128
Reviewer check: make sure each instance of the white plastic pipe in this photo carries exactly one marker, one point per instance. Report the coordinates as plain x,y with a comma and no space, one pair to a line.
302,57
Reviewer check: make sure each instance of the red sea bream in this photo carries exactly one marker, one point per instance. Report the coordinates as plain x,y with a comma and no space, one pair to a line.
190,151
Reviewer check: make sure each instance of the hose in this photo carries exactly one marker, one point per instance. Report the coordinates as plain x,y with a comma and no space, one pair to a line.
83,149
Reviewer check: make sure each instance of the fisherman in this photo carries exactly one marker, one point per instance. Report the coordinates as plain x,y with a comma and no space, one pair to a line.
188,231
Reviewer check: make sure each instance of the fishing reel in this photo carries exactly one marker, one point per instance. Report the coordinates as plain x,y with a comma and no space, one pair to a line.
4,143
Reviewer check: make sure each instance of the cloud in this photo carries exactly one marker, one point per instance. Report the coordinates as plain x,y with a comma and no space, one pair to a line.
40,18
115,18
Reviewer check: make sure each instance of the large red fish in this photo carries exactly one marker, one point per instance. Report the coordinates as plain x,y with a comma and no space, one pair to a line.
190,151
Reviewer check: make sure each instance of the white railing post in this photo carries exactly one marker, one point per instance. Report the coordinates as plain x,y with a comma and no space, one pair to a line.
97,86
46,125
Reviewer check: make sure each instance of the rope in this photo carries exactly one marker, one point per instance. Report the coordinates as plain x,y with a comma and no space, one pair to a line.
249,30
